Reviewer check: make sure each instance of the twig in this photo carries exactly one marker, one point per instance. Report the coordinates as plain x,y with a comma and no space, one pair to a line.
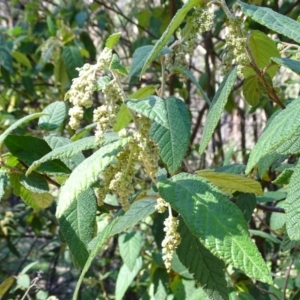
288,271
270,208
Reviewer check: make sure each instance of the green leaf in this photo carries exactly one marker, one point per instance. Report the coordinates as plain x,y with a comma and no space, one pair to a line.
35,182
115,64
232,182
3,182
137,212
279,131
232,169
72,60
6,59
143,92
55,113
272,196
277,220
208,270
125,278
262,49
216,221
191,76
174,24
112,40
85,174
272,20
17,124
159,284
77,225
174,139
265,235
123,118
292,205
139,58
251,90
29,148
36,200
21,58
66,151
284,177
130,245
216,108
287,244
246,202
6,285
83,132
291,64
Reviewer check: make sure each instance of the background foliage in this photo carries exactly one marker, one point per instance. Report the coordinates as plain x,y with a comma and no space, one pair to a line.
42,44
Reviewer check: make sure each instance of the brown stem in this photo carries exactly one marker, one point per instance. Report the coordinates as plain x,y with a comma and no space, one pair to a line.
270,208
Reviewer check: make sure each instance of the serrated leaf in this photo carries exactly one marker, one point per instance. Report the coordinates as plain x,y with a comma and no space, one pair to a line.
251,90
292,205
139,58
291,64
21,58
279,131
55,113
3,182
262,49
152,107
17,124
137,212
284,177
216,108
112,40
125,278
232,182
35,183
115,64
72,60
209,216
246,203
85,174
173,140
208,270
287,244
29,148
36,200
66,151
130,245
272,20
77,225
191,76
174,24
232,169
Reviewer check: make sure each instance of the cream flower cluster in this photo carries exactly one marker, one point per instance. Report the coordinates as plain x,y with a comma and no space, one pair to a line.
171,241
161,205
82,88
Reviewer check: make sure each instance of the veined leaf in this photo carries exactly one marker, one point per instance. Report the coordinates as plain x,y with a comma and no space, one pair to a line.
287,244
173,140
216,221
17,124
174,24
35,183
232,182
291,64
85,174
279,131
112,40
6,59
246,202
72,60
77,225
82,132
190,75
36,200
55,113
216,108
292,205
272,20
143,92
251,90
208,270
3,182
130,245
115,64
139,58
21,58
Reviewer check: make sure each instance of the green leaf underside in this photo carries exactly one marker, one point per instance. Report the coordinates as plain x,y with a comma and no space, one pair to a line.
291,64
251,90
65,151
232,182
216,108
130,245
85,174
152,107
137,212
56,113
29,148
17,124
292,205
190,75
36,200
272,20
174,24
125,278
208,270
139,58
35,183
279,132
77,225
216,221
112,40
262,49
173,141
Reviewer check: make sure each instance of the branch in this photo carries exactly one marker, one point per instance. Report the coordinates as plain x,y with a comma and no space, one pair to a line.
270,208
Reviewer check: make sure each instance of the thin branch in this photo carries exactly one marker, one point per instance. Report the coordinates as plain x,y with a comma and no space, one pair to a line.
288,271
270,208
